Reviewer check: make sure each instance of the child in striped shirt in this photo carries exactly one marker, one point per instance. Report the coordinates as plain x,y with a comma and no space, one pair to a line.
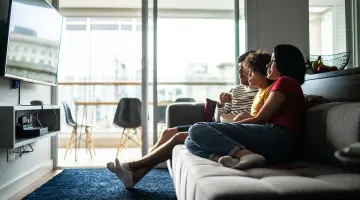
255,63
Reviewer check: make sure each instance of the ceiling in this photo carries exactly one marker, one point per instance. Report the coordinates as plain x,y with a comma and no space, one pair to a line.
170,8
175,4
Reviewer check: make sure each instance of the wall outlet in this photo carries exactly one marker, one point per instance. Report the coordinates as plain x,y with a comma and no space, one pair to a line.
11,155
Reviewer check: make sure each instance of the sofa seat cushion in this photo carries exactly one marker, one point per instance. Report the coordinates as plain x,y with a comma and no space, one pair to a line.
187,169
349,181
198,178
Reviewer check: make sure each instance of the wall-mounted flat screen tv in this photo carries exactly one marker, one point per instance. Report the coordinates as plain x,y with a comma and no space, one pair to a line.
30,35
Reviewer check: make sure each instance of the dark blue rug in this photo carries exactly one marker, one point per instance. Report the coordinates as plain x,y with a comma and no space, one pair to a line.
102,184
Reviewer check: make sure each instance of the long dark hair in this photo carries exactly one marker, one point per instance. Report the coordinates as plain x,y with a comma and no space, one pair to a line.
290,62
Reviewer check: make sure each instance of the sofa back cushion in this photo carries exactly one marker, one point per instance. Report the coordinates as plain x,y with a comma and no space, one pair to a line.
313,100
329,127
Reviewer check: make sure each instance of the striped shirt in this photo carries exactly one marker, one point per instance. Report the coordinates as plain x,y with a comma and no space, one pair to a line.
242,99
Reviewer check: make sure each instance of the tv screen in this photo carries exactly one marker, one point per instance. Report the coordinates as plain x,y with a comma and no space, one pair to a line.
33,33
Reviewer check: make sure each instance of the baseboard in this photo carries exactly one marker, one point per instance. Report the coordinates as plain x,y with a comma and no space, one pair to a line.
24,180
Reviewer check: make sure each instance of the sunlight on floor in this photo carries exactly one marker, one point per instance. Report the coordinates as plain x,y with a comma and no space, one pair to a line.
103,156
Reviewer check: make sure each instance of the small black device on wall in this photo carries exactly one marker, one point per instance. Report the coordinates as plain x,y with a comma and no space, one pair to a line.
25,128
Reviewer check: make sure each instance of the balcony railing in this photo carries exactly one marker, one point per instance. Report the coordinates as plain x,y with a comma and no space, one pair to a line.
101,111
198,83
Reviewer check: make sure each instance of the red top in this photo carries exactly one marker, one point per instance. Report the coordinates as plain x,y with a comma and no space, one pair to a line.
291,113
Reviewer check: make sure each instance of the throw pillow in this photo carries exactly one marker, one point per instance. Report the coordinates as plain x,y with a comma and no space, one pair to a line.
209,110
313,100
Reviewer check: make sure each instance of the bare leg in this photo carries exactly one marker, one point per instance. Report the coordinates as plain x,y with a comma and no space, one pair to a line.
138,169
165,136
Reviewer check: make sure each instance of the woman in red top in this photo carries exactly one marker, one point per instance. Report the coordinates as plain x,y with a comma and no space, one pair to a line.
271,136
268,137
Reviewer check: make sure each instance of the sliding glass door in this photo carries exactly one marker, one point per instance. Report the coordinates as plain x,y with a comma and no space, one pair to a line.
100,63
196,49
157,51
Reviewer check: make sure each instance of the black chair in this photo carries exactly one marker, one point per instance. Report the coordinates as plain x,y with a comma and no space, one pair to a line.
185,100
70,121
128,116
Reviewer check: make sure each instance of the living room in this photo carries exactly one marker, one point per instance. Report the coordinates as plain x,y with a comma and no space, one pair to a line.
113,49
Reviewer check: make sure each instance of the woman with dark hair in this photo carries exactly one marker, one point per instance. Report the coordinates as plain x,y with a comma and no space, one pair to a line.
269,137
131,172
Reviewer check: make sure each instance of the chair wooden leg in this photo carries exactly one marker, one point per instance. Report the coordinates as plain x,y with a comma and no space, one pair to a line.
139,136
90,142
122,137
69,143
72,143
87,141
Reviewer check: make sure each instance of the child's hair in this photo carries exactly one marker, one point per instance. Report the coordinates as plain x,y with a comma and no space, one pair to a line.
257,62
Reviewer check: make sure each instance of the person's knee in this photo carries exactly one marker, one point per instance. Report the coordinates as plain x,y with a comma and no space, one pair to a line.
189,144
197,131
169,132
179,138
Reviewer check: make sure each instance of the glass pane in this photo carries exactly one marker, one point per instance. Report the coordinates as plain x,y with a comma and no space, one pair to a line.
242,27
327,27
196,51
100,63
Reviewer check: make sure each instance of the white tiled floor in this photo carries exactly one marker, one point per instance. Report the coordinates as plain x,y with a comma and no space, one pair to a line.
103,156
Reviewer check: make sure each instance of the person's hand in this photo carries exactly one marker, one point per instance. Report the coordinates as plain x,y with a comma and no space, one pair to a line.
227,118
241,116
224,98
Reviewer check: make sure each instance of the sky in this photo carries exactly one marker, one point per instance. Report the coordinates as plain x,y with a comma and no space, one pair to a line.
45,21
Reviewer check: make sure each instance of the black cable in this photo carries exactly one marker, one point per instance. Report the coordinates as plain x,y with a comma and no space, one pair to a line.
19,95
57,123
24,151
31,148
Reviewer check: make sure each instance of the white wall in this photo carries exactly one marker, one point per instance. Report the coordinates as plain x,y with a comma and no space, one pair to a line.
315,34
11,171
327,39
339,28
324,2
28,163
278,21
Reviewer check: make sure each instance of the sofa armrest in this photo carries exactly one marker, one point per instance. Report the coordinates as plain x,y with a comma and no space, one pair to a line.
350,156
178,114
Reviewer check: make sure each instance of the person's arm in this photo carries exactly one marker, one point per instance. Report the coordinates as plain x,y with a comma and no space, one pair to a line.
225,109
271,106
241,116
222,110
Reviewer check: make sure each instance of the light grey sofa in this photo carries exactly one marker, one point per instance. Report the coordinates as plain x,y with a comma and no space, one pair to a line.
317,172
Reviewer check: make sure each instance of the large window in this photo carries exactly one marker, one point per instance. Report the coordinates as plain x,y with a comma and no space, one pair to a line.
101,62
196,54
104,55
327,27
